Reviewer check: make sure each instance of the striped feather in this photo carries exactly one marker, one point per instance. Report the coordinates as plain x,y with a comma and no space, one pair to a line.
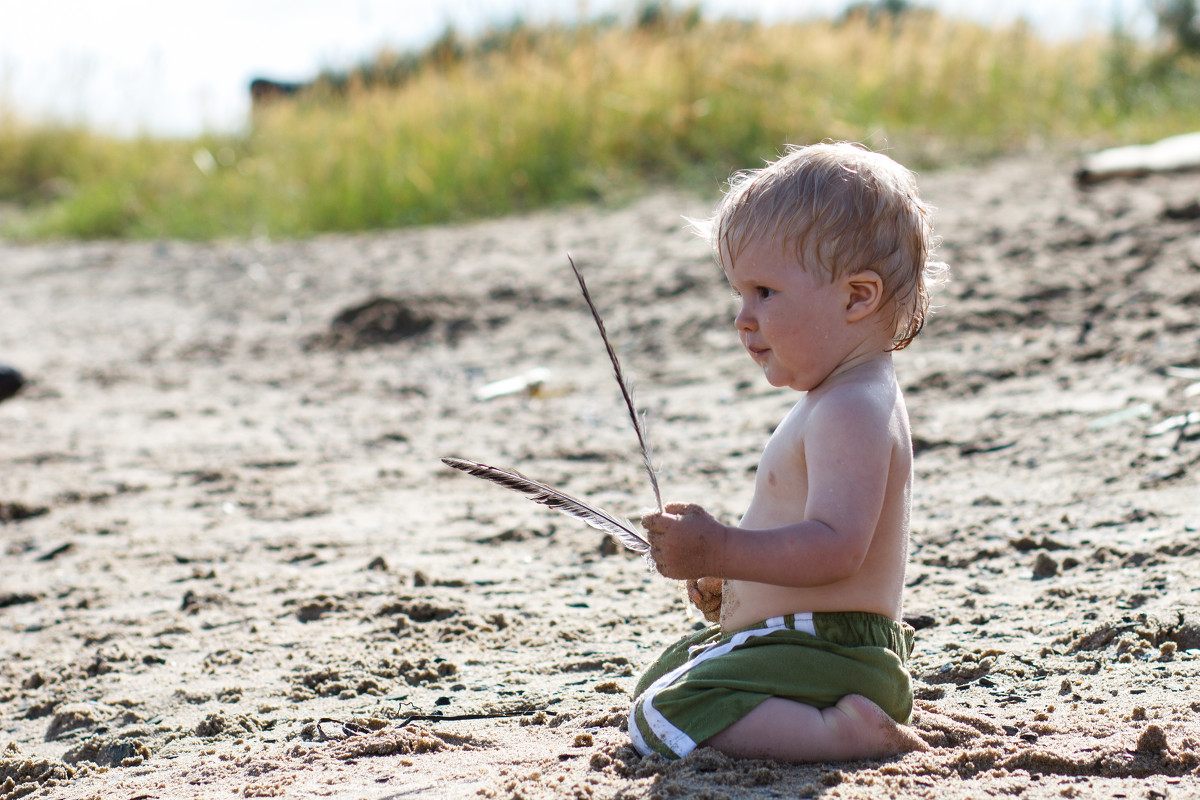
620,529
639,420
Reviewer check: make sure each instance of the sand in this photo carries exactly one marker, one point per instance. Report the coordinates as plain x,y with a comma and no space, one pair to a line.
224,518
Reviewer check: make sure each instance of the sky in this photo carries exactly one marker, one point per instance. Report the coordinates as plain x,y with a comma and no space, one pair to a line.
167,67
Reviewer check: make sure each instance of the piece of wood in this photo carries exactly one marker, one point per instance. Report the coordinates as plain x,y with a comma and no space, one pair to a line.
1175,154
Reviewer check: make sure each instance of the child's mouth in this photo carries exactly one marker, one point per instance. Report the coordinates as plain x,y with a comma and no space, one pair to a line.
759,354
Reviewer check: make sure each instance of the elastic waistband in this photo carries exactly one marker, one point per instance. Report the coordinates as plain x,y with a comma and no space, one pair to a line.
846,628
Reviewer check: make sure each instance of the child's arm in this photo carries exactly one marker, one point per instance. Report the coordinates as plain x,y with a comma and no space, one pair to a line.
848,451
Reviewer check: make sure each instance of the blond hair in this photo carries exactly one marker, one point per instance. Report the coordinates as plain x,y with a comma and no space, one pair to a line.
844,208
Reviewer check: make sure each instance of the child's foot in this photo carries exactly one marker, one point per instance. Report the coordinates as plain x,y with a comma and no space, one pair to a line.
869,727
854,729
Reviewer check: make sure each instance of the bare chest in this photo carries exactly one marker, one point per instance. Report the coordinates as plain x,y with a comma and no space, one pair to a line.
781,481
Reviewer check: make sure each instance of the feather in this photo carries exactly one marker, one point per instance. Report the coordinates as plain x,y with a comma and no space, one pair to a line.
639,420
620,529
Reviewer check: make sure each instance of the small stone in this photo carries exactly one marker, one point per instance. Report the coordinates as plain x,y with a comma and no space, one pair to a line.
11,381
1044,567
310,612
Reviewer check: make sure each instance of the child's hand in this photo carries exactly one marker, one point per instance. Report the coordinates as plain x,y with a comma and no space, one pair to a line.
705,594
685,541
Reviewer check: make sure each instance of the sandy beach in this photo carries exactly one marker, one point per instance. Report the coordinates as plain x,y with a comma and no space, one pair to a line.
234,565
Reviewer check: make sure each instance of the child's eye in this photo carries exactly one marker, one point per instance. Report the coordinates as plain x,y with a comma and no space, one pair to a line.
764,292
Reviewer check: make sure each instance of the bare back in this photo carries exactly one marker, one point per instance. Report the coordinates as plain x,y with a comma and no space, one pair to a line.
781,497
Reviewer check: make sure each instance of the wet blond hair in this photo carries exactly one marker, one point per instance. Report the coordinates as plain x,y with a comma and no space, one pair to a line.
845,209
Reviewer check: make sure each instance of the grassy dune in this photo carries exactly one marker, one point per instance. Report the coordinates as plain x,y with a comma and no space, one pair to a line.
550,115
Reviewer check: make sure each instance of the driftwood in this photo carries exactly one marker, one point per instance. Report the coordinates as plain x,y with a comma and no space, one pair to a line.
1175,154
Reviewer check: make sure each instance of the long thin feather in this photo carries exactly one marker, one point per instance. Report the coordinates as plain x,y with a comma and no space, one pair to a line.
620,529
639,421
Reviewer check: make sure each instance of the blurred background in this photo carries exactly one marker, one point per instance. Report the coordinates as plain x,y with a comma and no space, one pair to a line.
130,118
132,66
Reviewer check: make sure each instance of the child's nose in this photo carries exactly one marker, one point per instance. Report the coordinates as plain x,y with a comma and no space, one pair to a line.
745,320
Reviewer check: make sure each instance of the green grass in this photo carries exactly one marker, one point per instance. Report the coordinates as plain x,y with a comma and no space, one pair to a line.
542,116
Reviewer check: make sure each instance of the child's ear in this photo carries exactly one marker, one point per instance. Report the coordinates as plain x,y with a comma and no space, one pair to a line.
864,294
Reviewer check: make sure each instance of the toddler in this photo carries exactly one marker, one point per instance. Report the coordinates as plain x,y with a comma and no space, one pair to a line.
829,249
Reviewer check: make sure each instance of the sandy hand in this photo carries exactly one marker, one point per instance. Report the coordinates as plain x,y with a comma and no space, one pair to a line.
686,542
705,594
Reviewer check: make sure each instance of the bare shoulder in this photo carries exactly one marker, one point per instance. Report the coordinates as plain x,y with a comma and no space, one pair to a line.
868,401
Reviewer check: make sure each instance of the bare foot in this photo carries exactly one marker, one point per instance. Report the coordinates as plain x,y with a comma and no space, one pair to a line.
871,724
785,730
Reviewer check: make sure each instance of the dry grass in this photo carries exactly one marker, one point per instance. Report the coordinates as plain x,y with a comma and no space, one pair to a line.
558,115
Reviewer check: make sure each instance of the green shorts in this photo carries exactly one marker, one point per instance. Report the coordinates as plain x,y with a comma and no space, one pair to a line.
709,680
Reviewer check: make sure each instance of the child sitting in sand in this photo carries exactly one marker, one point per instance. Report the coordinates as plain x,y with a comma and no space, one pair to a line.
829,250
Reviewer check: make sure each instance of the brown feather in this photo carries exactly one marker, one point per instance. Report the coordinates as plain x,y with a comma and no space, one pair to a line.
620,529
639,420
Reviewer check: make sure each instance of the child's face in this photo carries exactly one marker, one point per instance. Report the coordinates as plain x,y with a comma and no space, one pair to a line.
792,319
